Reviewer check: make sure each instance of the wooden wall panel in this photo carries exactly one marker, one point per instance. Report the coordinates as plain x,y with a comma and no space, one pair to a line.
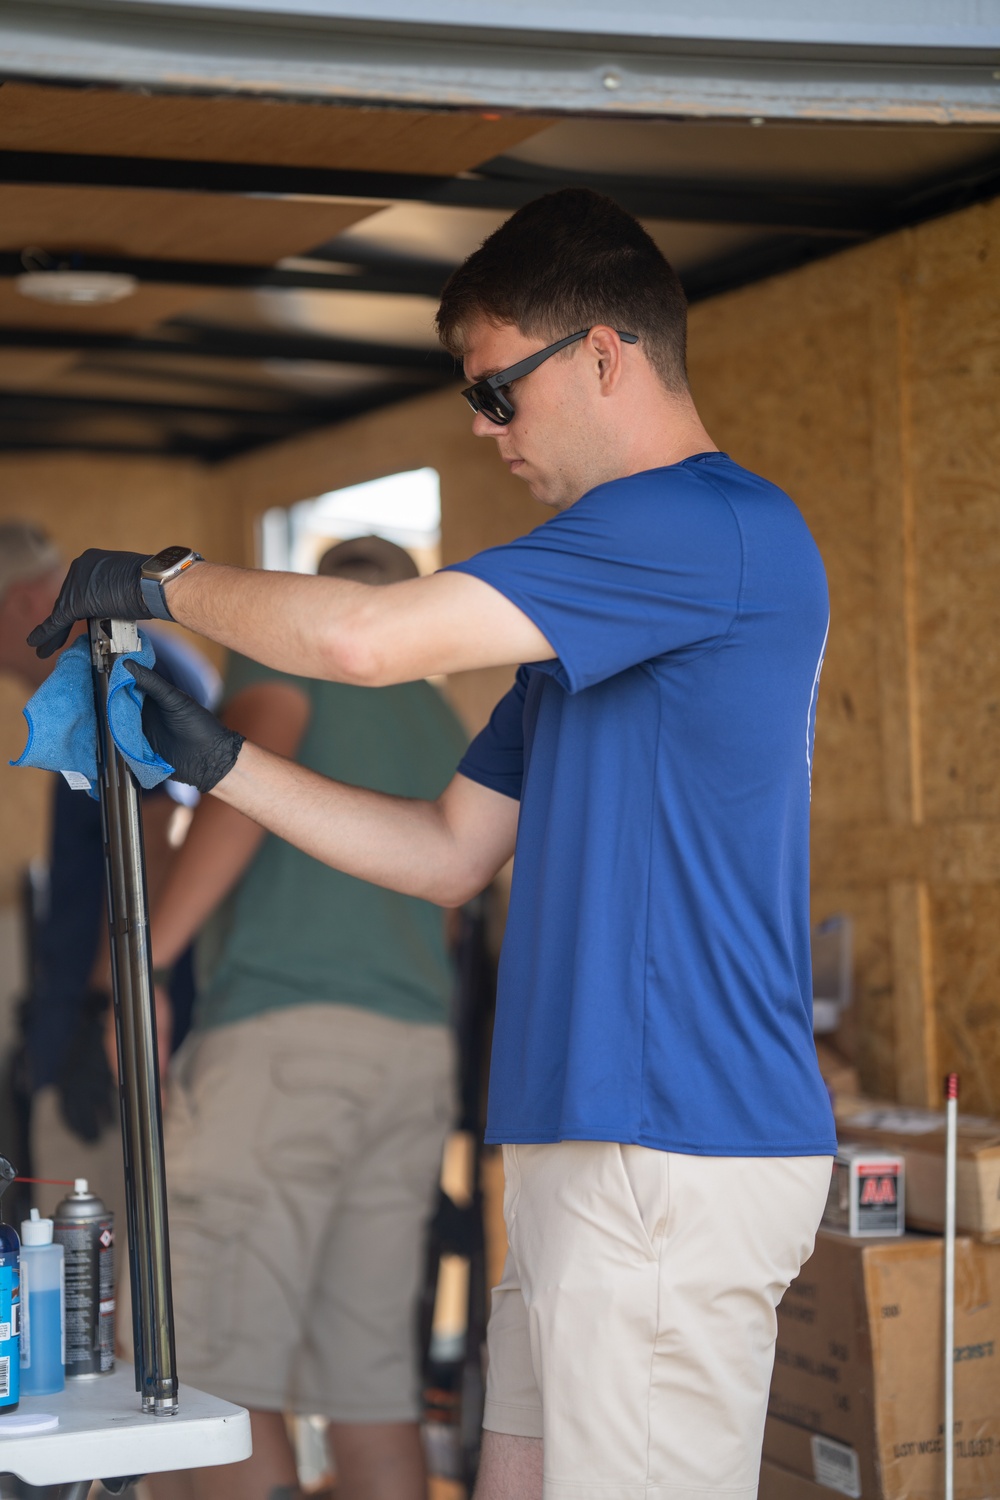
955,344
784,388
869,1031
965,927
895,461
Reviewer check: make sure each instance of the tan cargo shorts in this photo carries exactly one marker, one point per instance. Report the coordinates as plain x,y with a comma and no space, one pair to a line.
633,1330
303,1153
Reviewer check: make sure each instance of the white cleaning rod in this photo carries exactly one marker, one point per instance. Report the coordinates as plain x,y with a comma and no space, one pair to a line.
951,1152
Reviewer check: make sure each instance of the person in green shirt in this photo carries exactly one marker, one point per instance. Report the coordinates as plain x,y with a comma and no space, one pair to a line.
307,1110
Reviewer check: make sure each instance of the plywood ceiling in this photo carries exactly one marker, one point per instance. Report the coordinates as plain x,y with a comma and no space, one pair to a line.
31,369
149,222
233,228
148,305
406,322
104,122
357,279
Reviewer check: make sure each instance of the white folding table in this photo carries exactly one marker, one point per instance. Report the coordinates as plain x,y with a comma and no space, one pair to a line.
103,1433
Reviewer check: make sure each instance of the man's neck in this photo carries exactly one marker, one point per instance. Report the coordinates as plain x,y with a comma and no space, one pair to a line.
667,433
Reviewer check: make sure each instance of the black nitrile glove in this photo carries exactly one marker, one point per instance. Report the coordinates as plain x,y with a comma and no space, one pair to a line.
99,586
200,749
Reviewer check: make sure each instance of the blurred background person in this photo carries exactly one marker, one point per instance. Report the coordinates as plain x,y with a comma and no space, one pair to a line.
307,1111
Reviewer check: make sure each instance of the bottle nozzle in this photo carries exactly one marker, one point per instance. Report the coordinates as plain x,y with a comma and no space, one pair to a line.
36,1230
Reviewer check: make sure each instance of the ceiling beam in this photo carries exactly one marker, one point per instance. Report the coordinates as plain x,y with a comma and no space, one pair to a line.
179,442
171,447
52,406
837,212
414,279
214,342
505,184
81,170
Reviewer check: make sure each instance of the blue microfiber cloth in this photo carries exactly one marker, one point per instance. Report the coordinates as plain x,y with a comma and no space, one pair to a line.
62,719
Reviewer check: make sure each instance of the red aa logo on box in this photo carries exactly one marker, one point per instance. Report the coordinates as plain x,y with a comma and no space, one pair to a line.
879,1190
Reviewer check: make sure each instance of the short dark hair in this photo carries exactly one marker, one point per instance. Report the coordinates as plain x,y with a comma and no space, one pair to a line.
568,261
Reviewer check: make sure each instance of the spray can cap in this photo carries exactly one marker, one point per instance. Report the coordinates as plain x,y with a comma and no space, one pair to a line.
36,1230
81,1188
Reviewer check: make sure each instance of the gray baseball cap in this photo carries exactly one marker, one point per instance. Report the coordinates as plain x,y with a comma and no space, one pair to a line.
368,559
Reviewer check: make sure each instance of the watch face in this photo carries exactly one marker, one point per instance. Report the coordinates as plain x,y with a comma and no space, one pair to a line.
168,558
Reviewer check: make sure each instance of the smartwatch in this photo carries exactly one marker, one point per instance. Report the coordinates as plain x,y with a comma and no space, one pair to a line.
160,569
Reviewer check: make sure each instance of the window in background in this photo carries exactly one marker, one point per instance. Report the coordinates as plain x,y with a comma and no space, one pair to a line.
404,508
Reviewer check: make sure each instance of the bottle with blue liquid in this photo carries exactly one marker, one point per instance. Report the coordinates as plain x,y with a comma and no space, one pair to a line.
10,1297
43,1309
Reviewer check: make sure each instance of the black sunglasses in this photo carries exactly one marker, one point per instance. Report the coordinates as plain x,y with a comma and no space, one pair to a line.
487,396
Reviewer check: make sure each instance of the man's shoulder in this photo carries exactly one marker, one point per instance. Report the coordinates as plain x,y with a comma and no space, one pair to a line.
695,501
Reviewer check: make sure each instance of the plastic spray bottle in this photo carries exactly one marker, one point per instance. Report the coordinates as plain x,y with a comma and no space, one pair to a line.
43,1309
10,1293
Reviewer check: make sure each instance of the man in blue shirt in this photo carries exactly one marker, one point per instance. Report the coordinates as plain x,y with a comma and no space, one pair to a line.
666,1134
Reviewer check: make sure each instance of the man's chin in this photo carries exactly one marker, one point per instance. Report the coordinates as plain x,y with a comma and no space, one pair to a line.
541,492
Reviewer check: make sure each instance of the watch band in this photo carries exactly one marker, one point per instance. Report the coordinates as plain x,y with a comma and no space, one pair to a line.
154,598
160,569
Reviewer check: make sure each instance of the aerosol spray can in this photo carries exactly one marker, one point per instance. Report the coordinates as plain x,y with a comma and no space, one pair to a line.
10,1298
86,1231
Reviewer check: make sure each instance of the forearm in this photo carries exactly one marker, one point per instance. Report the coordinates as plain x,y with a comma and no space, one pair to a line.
280,619
405,845
219,846
341,631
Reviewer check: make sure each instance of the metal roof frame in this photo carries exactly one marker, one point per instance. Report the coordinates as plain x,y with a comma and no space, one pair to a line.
878,61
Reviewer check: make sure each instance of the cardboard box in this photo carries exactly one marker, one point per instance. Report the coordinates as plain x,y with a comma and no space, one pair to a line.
782,1484
919,1134
867,1193
857,1396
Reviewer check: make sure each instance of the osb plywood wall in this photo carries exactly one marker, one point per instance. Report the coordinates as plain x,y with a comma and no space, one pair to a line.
84,501
869,386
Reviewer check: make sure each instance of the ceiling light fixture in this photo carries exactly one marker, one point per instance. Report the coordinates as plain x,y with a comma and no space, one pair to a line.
75,288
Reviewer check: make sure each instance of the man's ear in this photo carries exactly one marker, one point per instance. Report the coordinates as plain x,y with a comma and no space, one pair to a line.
607,349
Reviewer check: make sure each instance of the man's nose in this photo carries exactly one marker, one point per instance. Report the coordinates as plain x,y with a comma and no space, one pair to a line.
483,427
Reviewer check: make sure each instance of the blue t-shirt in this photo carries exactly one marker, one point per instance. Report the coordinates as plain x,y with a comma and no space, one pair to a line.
655,983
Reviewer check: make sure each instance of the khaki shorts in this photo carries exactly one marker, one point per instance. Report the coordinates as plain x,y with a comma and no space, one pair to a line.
303,1154
634,1327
